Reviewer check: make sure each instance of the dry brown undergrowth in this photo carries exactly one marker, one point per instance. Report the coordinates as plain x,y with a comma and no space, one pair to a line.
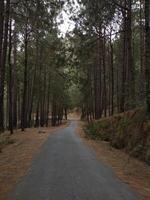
16,158
129,170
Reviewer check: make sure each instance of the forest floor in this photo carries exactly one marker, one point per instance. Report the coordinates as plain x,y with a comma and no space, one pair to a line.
15,158
130,170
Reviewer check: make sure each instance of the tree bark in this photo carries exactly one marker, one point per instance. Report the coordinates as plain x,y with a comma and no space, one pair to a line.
147,53
3,53
15,80
10,81
1,66
112,75
24,98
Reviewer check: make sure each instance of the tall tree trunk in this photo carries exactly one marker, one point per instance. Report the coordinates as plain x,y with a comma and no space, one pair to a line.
19,106
1,66
141,39
10,81
104,77
3,53
147,52
48,100
112,75
130,65
98,78
124,82
37,114
15,80
54,115
24,98
33,82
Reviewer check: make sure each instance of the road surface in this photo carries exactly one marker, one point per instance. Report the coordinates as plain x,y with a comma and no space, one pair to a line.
66,169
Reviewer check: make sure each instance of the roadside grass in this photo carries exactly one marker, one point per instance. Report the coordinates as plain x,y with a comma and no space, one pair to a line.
129,131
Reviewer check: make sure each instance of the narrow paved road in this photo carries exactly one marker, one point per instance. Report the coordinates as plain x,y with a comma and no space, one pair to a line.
66,169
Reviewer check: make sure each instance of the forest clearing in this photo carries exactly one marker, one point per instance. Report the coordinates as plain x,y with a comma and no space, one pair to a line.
79,69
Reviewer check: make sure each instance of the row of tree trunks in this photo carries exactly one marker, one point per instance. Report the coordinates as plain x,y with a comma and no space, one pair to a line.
101,85
57,113
104,94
